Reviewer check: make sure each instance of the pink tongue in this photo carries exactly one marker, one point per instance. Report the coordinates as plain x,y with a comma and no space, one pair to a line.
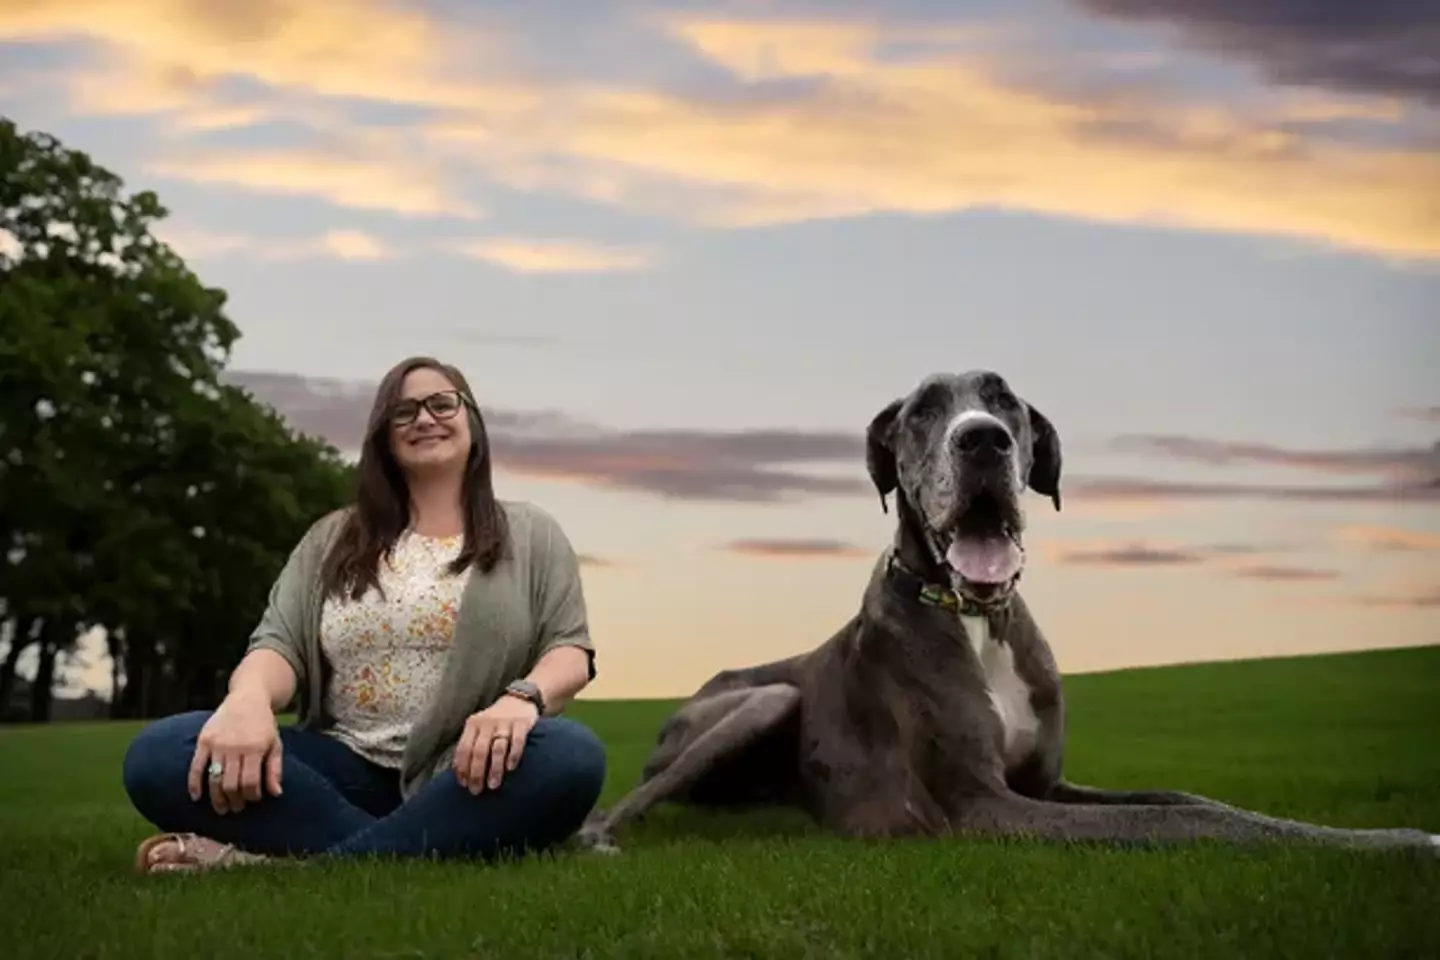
987,560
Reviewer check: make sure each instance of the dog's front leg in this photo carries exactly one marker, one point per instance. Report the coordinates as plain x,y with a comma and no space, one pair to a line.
1041,776
748,715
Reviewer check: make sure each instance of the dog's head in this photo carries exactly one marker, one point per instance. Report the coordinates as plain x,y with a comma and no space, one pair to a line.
957,452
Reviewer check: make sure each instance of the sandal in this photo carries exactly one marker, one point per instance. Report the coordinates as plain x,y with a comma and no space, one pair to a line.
193,852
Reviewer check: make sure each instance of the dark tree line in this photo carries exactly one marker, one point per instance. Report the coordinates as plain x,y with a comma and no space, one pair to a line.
138,493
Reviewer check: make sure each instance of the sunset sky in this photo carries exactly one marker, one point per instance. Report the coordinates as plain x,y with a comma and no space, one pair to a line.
685,251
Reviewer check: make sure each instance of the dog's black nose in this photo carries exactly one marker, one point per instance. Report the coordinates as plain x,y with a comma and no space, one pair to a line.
980,439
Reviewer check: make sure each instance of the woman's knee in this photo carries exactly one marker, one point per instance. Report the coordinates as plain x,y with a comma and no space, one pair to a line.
573,756
158,758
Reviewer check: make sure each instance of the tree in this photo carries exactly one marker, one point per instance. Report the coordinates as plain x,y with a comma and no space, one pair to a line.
137,492
238,522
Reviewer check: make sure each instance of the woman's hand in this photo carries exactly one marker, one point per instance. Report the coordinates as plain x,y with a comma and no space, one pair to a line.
493,736
243,739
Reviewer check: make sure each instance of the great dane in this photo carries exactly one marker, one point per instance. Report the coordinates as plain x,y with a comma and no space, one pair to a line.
937,709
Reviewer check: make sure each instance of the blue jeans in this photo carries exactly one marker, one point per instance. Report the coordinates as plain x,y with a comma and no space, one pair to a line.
336,803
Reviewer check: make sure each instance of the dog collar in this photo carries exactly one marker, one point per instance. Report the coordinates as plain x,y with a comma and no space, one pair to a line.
911,584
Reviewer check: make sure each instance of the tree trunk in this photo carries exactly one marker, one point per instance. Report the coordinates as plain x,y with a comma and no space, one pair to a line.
52,639
137,650
19,641
115,646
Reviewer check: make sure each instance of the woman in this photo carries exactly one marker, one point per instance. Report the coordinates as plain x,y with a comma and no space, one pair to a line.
431,633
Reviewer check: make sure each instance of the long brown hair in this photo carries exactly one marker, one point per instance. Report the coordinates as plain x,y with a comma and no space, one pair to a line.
382,499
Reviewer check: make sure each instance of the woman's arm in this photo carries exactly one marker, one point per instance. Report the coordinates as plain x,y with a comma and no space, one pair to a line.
560,674
264,674
566,653
275,660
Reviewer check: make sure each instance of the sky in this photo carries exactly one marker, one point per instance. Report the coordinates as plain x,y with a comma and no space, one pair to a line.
685,251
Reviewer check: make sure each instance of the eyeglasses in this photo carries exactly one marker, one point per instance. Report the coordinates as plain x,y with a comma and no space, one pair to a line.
442,406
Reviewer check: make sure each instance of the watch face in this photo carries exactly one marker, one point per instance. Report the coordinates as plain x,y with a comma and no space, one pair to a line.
526,690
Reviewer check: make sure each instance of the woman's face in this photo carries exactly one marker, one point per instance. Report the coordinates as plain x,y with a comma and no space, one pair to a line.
429,425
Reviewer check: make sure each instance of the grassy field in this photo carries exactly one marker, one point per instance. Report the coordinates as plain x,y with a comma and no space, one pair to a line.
1349,740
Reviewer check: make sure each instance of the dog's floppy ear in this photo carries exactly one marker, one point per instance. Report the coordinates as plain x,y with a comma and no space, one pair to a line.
880,451
1045,457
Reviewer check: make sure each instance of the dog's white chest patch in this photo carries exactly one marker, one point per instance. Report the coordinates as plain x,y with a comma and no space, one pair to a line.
1009,694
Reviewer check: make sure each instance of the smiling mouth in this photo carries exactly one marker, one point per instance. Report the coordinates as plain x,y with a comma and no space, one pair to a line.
982,547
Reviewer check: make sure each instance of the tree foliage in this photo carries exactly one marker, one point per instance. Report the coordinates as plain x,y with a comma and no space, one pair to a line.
139,493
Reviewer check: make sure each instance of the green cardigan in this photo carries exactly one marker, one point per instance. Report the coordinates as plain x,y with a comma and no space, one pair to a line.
529,604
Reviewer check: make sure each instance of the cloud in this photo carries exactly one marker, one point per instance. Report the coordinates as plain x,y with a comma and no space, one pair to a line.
555,256
817,120
1419,597
333,244
1277,573
1236,559
1124,554
751,466
744,466
796,548
362,49
128,87
1424,414
589,560
1398,464
365,183
1388,48
811,130
1406,474
1388,539
1128,488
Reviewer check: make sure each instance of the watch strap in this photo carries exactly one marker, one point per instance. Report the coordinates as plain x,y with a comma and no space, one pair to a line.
526,690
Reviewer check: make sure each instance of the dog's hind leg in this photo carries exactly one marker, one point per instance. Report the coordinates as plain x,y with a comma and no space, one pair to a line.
1014,815
737,719
1066,792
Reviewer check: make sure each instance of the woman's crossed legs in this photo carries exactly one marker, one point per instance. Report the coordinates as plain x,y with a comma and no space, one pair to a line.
335,803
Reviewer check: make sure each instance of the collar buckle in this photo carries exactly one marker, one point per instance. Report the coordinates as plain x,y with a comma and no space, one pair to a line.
940,595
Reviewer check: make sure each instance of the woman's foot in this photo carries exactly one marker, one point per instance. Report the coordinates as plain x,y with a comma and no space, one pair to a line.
175,852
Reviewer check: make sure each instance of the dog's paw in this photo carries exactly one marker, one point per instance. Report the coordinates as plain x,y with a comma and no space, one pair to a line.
596,839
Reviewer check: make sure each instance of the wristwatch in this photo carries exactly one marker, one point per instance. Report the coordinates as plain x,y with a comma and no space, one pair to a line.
526,690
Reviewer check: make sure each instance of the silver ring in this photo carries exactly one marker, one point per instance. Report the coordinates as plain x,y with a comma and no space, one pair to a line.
215,770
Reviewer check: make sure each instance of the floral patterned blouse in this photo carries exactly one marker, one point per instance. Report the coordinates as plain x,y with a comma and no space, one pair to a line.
388,652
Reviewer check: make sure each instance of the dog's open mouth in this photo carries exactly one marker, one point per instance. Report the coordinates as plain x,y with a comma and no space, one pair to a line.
983,545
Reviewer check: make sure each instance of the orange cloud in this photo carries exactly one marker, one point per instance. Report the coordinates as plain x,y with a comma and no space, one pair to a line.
365,183
1388,538
555,256
371,49
336,244
941,134
855,130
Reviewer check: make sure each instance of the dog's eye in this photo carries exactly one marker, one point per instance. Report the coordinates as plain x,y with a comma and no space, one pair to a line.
928,400
995,392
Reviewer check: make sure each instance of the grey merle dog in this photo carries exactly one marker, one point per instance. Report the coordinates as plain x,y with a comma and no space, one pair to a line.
937,708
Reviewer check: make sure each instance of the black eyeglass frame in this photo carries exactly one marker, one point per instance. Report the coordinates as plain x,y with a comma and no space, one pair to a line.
405,412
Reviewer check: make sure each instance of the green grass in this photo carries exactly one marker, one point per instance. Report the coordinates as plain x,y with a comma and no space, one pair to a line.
1348,740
